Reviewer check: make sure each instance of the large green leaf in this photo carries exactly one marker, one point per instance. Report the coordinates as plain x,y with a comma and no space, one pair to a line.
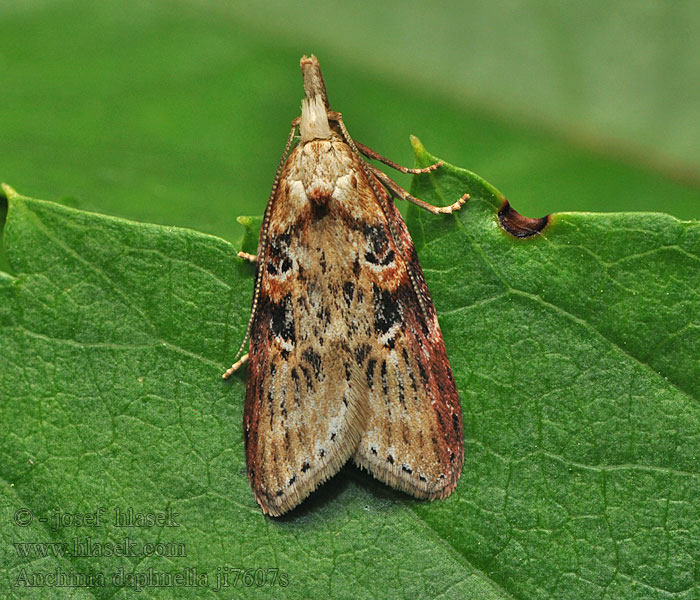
576,355
575,352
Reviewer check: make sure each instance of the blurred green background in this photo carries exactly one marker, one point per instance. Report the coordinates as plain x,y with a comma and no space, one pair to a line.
176,112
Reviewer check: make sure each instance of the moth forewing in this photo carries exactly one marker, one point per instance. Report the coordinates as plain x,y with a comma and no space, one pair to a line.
346,357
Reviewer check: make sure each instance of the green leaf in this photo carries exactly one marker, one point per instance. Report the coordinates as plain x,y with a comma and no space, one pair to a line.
249,241
576,355
575,352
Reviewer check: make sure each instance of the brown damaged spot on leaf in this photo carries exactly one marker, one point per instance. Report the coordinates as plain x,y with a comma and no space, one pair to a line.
517,225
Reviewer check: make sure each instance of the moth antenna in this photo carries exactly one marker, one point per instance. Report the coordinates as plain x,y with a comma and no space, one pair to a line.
368,152
397,240
263,239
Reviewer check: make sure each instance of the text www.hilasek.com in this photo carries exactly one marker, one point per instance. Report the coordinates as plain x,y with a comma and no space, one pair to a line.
127,520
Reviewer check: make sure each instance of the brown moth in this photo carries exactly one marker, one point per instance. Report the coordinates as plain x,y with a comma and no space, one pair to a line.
346,356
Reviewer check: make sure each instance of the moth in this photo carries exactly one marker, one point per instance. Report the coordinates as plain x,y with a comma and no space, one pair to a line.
346,359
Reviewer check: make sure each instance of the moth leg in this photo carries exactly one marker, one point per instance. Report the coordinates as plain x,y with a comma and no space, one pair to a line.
235,366
398,192
368,152
249,257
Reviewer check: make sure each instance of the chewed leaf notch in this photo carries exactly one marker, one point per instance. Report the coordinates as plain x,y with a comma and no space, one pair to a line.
445,181
519,225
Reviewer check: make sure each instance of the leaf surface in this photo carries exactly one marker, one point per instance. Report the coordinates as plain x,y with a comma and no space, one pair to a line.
575,352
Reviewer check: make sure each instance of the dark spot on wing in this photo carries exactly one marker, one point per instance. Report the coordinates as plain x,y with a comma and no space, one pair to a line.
313,359
297,391
305,467
455,423
390,459
402,391
385,382
309,379
378,250
414,386
422,371
387,310
441,423
361,353
282,318
319,205
324,315
371,363
279,259
348,292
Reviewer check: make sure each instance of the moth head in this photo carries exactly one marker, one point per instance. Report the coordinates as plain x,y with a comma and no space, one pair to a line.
314,121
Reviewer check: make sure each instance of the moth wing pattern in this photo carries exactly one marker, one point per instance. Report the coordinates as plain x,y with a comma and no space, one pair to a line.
306,400
413,439
346,357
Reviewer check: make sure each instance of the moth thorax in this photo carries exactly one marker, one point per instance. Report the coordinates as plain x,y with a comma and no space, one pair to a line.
314,122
